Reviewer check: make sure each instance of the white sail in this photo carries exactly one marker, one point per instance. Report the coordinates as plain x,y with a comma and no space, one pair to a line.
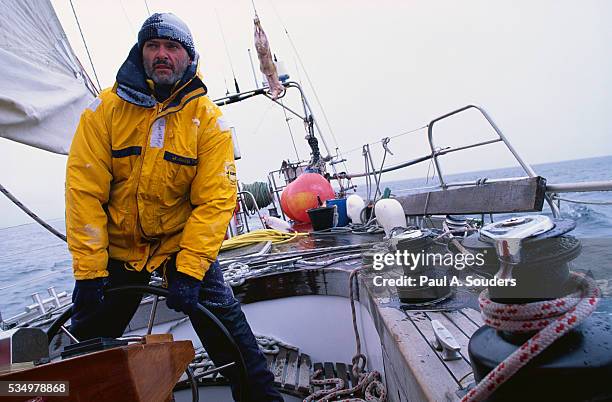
42,86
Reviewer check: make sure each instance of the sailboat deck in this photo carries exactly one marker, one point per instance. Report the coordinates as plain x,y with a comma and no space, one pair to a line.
414,368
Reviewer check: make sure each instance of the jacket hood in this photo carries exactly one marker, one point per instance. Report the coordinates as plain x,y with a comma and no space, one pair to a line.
132,84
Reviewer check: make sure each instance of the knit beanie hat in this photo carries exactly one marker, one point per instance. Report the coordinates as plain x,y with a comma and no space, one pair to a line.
166,26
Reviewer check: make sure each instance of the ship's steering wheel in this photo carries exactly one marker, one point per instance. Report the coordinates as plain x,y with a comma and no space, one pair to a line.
210,320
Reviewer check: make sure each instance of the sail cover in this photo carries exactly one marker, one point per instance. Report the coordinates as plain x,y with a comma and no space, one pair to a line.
42,86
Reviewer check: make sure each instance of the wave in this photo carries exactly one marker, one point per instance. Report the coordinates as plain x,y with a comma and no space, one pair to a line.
588,217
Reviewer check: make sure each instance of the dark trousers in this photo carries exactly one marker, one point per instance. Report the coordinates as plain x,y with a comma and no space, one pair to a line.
112,317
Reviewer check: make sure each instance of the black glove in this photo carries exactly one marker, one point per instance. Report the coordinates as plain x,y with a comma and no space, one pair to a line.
88,293
184,292
87,299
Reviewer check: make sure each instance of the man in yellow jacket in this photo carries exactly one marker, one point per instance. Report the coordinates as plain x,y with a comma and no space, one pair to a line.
151,185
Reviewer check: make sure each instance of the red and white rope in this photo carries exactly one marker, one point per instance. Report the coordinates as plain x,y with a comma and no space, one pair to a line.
553,318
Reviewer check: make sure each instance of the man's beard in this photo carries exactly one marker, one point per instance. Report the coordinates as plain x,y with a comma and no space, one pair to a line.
177,72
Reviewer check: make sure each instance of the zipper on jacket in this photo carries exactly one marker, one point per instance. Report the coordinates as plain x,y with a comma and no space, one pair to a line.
160,112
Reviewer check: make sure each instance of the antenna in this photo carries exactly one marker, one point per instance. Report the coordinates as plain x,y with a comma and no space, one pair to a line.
253,68
254,9
227,50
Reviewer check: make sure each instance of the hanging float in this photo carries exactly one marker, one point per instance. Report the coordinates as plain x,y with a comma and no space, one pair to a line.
305,193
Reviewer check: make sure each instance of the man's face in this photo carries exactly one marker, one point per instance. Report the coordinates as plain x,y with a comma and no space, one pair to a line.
165,61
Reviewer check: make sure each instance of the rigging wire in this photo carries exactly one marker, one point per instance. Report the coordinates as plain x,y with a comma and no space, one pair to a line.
147,6
382,139
128,19
585,202
254,9
310,83
88,81
382,165
227,50
226,88
253,68
297,71
287,118
263,118
368,179
85,43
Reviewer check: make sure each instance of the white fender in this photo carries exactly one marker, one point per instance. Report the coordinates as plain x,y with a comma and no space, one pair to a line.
390,214
354,205
277,223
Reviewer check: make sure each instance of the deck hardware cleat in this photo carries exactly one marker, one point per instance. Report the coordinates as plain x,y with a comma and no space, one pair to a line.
445,341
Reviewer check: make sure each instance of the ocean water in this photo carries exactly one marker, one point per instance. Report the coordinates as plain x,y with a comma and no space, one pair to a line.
32,259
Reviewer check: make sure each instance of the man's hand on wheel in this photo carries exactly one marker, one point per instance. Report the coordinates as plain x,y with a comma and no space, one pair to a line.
88,293
184,291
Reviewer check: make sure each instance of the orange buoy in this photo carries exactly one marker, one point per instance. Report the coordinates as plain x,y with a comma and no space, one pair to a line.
284,205
301,195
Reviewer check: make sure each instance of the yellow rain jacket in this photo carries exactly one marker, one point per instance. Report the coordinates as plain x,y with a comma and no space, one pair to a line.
146,180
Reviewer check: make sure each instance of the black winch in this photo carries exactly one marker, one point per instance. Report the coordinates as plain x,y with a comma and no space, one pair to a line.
535,251
429,284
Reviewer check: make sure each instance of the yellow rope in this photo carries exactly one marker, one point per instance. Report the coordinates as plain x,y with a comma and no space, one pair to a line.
261,235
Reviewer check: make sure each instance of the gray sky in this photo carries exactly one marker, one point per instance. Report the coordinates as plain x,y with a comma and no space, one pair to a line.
541,69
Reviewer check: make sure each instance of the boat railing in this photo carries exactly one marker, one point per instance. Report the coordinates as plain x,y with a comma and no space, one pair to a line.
42,307
437,152
501,137
551,189
243,196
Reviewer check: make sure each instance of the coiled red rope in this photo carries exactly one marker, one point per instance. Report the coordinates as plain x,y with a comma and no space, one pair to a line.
552,318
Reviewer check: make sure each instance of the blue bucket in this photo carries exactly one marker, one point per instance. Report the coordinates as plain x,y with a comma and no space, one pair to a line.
340,204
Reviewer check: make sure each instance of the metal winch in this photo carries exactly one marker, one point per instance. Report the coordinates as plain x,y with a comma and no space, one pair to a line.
534,251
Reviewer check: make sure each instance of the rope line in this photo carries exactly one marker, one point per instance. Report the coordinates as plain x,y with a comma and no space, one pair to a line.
369,384
553,319
267,344
31,214
261,235
261,192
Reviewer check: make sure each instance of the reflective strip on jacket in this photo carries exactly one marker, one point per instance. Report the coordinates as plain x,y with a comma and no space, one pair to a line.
144,182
